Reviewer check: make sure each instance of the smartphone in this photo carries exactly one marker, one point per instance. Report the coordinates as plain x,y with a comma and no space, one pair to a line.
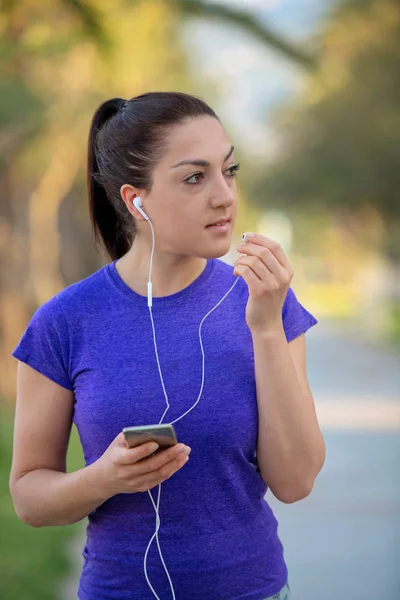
164,434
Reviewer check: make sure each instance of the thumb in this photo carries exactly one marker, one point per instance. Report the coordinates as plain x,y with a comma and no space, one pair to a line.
120,440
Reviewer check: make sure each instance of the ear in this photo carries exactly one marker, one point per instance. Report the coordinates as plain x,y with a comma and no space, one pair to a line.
128,194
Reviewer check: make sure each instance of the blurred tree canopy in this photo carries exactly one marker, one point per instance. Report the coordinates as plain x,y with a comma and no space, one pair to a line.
341,139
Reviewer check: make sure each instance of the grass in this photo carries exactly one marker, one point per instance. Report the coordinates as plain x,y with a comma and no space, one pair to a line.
32,560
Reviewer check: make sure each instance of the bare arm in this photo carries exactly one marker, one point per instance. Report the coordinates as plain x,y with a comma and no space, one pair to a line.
291,448
42,492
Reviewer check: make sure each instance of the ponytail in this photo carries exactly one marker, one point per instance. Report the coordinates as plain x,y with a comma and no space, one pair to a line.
106,221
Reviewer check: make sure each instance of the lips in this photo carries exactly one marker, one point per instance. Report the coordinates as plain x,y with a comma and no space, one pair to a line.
220,222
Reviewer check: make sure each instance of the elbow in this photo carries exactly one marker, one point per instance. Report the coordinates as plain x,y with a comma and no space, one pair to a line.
20,512
25,517
29,521
294,490
292,494
295,496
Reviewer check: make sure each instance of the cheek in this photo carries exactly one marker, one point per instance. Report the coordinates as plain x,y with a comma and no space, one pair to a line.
179,219
189,212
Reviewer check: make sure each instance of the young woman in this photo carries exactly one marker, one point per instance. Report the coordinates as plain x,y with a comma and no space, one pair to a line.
233,384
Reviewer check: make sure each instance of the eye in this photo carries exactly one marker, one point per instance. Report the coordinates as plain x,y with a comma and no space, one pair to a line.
233,169
191,177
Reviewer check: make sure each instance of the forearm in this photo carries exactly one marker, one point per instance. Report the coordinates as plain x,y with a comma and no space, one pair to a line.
290,448
47,498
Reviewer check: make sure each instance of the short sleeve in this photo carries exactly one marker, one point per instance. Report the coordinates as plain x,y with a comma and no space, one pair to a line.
296,319
44,345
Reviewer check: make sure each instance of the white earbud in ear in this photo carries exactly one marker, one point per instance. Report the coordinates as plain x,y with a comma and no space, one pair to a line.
138,204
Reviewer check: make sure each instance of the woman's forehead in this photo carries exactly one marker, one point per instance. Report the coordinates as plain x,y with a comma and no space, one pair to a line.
200,138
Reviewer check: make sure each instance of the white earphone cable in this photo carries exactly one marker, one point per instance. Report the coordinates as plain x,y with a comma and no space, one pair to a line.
156,507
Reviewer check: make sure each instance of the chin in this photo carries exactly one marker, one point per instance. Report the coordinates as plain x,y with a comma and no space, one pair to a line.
217,250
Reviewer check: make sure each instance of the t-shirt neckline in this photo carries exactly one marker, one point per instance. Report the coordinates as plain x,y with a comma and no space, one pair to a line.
183,294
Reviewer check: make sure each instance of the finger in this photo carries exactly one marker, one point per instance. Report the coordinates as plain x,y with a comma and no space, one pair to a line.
266,256
273,245
255,264
163,458
120,440
149,480
170,467
129,456
255,285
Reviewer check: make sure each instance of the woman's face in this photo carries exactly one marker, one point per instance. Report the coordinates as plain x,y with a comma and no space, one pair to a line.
185,199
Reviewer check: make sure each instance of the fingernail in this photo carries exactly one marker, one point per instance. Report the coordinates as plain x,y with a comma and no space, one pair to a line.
153,447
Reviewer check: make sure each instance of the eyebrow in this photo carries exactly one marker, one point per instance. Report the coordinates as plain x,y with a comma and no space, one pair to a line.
200,162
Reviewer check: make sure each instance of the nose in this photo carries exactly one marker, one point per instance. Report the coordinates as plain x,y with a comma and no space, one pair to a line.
223,192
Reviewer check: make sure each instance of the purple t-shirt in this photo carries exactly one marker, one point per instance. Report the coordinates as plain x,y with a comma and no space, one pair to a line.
218,535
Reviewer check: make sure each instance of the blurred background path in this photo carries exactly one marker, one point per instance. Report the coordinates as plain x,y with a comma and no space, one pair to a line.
343,540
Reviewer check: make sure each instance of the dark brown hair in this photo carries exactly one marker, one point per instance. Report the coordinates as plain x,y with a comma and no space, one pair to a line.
126,140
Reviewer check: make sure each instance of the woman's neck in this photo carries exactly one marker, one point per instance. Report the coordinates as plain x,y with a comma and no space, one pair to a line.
170,273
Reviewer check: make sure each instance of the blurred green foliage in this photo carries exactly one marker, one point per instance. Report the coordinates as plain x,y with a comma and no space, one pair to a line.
393,324
340,139
32,559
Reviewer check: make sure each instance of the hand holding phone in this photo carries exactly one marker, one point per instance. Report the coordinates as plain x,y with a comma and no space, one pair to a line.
127,470
163,434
